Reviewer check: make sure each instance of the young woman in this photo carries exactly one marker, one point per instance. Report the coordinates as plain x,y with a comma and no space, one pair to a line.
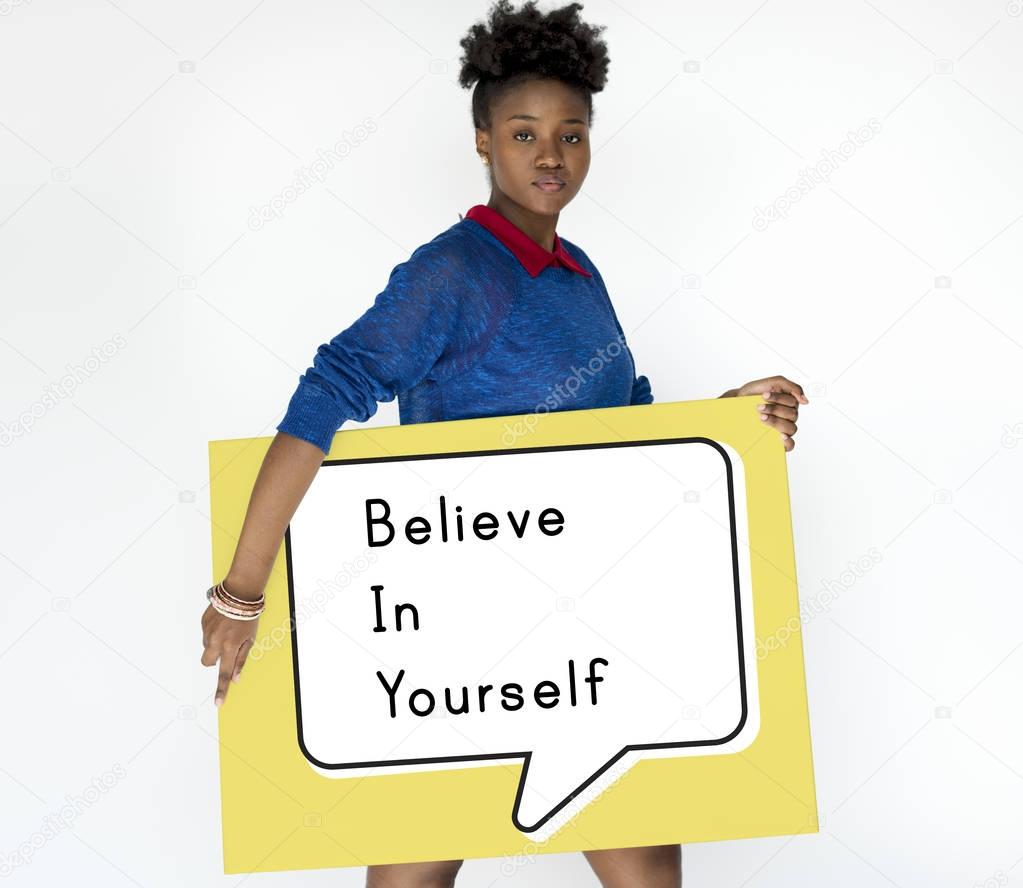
489,318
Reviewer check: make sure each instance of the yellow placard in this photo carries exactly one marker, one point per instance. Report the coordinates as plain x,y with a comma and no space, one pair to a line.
281,813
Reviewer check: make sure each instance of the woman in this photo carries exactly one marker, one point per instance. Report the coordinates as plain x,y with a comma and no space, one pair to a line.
489,318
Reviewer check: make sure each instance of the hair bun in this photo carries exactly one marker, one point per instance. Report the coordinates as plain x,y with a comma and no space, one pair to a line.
555,44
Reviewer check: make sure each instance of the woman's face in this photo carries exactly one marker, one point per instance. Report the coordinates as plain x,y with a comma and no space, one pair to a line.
538,129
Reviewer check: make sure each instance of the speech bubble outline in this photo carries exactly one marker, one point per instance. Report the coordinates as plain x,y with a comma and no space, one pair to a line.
527,755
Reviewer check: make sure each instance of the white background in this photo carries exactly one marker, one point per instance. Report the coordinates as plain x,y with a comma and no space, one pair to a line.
136,137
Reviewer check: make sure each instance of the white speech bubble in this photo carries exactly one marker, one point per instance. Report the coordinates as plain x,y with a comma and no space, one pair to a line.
617,574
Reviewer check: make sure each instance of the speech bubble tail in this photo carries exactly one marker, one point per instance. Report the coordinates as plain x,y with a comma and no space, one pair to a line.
551,780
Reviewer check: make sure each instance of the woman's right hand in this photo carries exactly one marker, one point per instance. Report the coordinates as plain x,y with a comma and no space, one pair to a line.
228,641
287,471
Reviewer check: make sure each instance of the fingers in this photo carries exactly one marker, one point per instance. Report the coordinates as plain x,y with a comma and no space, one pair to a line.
229,642
209,653
210,644
794,389
243,653
228,657
226,664
785,426
779,410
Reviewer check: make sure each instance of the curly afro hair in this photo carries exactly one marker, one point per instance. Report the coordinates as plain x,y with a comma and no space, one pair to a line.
527,44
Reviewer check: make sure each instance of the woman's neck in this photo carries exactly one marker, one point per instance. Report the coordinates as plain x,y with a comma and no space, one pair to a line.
539,228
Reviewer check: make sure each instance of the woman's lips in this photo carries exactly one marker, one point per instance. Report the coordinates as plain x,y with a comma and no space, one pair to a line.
549,187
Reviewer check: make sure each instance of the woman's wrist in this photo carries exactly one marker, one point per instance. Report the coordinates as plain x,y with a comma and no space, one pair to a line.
245,588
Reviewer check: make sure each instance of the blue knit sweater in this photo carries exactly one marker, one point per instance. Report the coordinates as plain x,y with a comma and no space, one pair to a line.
462,330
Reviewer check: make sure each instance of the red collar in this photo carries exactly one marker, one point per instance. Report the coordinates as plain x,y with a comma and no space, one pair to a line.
533,257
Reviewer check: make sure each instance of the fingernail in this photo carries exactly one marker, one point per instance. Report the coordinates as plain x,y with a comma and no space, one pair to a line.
763,417
217,701
761,406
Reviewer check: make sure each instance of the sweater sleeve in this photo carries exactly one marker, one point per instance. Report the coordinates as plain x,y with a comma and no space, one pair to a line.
641,392
390,348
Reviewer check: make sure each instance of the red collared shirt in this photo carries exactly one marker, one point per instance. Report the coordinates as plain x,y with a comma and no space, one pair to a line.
533,257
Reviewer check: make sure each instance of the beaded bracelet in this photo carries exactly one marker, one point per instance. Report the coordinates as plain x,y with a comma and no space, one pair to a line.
229,605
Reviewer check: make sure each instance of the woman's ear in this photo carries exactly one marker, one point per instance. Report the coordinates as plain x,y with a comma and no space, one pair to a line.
482,142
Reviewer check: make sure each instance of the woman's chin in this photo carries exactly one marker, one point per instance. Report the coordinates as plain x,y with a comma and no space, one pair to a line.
548,203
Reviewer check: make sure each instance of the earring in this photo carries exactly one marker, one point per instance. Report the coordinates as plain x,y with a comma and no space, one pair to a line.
484,158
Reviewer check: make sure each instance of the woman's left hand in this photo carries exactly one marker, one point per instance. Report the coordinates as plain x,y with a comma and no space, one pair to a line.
780,409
